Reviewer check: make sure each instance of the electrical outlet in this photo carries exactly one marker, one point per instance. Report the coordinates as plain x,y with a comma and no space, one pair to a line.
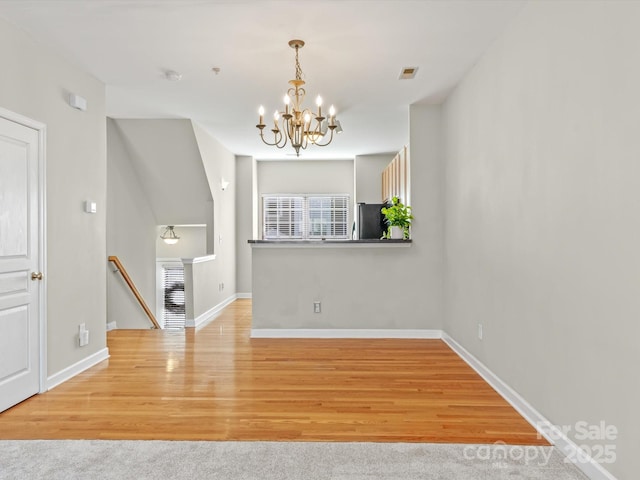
316,307
480,331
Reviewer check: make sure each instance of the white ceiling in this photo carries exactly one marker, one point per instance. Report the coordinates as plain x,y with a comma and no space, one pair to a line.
354,52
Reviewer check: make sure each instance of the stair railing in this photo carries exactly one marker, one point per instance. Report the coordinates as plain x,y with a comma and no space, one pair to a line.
120,268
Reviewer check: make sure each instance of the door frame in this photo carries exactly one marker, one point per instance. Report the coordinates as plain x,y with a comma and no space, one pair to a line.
41,128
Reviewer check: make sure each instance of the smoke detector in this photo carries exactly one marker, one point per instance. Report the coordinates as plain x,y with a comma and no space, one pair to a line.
407,73
173,76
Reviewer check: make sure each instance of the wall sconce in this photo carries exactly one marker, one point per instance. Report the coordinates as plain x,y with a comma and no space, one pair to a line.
224,184
169,236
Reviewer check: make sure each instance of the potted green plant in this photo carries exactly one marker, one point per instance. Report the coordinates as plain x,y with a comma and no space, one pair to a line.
398,218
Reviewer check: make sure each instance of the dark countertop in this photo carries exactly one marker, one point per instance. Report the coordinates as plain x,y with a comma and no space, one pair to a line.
364,242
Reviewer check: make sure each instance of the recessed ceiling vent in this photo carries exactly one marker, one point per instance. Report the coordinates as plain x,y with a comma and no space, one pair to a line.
407,73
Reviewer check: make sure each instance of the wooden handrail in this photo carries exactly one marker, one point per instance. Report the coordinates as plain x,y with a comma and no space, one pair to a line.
116,261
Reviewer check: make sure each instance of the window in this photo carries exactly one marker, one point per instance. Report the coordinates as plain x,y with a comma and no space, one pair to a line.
302,217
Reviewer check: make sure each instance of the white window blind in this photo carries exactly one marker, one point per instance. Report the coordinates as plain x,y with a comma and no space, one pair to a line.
300,217
283,217
174,313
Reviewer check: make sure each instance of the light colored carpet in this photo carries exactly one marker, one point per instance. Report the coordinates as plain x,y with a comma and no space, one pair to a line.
159,460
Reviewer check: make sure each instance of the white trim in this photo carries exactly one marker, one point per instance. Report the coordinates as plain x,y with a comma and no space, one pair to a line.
21,119
191,261
244,295
551,433
77,368
111,326
42,166
41,128
210,314
343,333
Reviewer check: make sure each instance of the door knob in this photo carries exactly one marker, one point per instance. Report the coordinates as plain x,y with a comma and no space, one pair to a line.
36,275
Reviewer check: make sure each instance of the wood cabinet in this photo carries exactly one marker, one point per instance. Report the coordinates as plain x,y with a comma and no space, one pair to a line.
395,178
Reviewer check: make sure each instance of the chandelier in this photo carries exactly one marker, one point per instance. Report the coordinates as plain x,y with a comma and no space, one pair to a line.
296,124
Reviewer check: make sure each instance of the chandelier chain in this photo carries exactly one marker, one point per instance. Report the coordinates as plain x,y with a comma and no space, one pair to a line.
298,68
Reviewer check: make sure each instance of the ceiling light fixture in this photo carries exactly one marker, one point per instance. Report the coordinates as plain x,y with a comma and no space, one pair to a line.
300,126
169,236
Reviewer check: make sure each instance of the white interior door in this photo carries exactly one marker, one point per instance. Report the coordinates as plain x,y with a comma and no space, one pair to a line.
20,277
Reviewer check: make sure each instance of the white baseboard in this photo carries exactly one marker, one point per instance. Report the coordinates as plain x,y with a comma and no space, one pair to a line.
551,433
244,295
112,326
78,367
210,314
343,333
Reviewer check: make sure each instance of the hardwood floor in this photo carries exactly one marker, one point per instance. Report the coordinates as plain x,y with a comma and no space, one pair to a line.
218,384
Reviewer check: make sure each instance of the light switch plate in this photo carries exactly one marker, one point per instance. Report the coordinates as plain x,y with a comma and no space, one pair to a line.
90,207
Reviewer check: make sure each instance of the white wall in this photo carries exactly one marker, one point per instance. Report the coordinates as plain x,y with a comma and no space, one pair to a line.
131,236
36,83
542,208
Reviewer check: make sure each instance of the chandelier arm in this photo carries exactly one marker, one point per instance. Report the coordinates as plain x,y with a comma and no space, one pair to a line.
315,134
284,144
276,140
282,136
328,141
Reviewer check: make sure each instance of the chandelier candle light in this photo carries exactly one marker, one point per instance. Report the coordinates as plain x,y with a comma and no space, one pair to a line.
300,126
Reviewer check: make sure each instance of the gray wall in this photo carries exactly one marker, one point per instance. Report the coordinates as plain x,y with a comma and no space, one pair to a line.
359,288
206,279
244,221
543,195
131,236
220,163
294,177
192,243
36,83
305,176
165,155
147,160
368,176
352,283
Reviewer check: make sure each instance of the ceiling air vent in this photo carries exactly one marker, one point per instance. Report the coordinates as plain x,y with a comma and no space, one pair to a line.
408,73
